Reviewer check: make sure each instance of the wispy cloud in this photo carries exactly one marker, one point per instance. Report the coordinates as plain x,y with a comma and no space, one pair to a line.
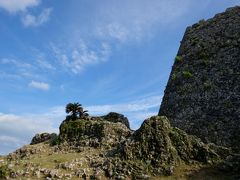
23,6
15,68
39,85
114,24
13,6
77,58
15,62
34,21
4,75
41,60
133,20
113,31
138,105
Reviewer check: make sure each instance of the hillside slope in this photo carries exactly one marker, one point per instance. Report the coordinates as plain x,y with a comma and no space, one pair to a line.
99,149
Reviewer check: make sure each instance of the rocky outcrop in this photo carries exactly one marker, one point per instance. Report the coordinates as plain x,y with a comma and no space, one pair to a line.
39,138
162,147
95,133
202,96
98,149
116,117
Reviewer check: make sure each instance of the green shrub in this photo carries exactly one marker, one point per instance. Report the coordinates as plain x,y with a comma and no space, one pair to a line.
178,59
187,74
174,76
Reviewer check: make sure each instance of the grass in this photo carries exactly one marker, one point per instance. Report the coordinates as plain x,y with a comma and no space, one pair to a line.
47,159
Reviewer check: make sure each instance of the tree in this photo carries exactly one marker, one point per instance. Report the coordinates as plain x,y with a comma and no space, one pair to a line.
76,111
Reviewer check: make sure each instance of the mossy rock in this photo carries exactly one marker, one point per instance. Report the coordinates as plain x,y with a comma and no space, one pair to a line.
103,132
152,145
163,147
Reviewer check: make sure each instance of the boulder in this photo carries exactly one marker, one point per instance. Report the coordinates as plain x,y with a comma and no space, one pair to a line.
116,117
94,133
39,138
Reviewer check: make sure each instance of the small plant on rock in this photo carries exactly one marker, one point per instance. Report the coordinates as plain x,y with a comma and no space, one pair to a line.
178,59
187,74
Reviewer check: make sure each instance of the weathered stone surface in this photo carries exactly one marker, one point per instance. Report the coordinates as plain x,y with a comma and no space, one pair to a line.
154,149
26,151
94,133
160,147
39,138
203,92
116,117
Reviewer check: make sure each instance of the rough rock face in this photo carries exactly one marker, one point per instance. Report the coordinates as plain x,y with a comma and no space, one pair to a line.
94,132
162,147
202,96
98,149
39,138
116,117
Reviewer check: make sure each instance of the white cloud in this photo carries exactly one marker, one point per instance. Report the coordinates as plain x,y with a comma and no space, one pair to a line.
136,111
39,85
135,106
15,131
77,58
140,107
113,31
31,20
42,61
44,64
134,20
18,69
4,75
15,62
18,5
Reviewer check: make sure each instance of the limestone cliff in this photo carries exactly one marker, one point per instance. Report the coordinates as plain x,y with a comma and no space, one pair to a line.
202,96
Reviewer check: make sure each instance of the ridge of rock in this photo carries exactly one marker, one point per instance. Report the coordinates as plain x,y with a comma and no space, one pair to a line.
103,149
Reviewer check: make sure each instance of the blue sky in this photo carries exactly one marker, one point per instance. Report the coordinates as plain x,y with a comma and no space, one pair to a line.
108,55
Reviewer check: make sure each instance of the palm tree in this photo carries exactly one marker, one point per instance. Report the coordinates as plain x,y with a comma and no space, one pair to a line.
83,114
76,111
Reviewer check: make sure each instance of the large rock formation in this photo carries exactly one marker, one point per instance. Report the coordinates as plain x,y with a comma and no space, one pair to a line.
162,148
202,96
98,149
93,132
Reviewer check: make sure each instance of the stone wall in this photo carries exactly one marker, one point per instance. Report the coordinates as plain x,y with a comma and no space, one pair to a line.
202,96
